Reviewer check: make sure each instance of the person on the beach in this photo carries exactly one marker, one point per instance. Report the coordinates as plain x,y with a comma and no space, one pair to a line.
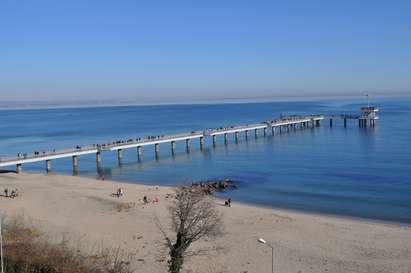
6,192
119,192
229,202
145,200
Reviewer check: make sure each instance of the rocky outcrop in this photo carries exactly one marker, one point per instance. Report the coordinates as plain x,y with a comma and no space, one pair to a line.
210,186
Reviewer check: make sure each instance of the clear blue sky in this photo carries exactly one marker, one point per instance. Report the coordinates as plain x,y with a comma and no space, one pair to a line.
159,51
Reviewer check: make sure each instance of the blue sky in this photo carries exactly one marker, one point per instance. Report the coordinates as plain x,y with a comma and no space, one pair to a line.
169,51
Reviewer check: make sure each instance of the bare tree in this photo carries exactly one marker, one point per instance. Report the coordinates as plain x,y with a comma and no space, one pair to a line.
193,217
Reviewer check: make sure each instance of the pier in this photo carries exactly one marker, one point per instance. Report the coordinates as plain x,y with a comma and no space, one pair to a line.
368,116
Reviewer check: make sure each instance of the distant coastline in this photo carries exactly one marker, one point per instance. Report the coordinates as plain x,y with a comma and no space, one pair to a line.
33,105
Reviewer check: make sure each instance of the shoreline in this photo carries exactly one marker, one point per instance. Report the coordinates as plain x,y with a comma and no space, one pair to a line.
304,242
251,204
256,205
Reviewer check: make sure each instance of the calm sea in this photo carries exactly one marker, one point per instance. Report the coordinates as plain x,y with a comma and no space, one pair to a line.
345,171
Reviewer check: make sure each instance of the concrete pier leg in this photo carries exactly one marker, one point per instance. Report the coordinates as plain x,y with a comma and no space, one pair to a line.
317,123
188,145
246,134
265,131
281,129
201,143
214,140
173,147
256,133
345,123
98,160
139,152
273,130
237,136
225,139
120,156
365,123
75,164
48,166
19,168
288,128
156,150
331,122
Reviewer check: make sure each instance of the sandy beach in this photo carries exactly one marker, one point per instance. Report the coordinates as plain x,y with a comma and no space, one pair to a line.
85,209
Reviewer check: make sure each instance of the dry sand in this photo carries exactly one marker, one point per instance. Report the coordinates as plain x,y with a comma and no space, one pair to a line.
303,242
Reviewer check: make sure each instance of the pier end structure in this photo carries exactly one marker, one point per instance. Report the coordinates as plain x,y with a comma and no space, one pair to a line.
368,115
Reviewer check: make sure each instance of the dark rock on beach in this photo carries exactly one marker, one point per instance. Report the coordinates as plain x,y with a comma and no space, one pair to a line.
210,186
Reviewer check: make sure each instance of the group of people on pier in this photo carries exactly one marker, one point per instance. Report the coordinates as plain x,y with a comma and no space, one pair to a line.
157,137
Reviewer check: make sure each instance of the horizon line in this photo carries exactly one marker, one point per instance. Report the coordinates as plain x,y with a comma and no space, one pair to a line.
43,104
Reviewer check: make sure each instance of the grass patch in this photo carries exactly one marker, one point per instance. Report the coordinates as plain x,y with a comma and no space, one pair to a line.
28,250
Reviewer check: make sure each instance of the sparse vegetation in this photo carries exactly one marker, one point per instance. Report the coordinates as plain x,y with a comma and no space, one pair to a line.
193,217
28,250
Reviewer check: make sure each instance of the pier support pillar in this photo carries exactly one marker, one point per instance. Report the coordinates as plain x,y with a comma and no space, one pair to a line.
345,123
236,136
48,166
173,147
265,131
214,140
256,133
273,130
201,143
317,123
75,164
331,122
19,168
139,152
188,145
98,161
225,139
246,134
156,150
120,156
281,129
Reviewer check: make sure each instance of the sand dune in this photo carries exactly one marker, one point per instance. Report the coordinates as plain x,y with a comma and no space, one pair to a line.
303,242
